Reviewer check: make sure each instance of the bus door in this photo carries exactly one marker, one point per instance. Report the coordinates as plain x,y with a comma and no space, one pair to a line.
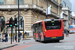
39,29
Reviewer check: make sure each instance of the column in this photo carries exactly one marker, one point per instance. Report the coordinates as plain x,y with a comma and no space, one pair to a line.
34,1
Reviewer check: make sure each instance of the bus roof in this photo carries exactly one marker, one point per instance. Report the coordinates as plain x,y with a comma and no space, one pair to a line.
46,20
51,19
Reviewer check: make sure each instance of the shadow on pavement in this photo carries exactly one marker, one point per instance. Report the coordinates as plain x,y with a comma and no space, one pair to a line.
51,42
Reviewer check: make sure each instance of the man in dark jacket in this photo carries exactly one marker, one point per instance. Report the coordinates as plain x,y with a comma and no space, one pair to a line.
67,32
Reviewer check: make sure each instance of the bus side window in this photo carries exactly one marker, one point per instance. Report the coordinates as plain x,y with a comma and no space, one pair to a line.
41,27
38,29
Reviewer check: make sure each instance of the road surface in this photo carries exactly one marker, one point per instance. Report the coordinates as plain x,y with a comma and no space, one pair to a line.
67,44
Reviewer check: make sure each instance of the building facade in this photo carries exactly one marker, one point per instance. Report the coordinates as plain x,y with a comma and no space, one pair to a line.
67,7
30,10
73,18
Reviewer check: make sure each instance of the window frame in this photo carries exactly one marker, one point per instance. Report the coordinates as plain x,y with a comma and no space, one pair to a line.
38,27
3,2
19,2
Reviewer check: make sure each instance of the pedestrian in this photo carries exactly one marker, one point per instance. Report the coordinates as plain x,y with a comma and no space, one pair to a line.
25,33
64,31
67,33
19,35
23,36
6,37
3,37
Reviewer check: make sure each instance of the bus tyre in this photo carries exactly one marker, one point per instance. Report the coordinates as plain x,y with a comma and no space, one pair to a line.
36,40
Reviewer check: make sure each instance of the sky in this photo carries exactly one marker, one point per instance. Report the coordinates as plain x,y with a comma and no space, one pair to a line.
73,5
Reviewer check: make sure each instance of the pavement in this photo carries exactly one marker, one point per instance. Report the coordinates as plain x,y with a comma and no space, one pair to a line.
4,45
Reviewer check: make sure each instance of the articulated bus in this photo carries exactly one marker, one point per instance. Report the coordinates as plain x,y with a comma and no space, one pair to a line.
48,29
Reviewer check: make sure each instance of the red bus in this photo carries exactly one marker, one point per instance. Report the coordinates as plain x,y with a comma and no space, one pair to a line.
49,29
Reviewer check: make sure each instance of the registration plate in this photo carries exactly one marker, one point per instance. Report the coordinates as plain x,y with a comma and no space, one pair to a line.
53,37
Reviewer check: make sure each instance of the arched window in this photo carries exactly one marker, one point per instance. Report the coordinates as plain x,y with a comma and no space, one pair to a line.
20,1
2,2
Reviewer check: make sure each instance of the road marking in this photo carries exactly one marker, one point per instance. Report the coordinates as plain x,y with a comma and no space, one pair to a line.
67,41
71,36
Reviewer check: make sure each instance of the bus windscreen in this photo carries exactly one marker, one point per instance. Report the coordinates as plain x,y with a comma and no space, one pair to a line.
52,25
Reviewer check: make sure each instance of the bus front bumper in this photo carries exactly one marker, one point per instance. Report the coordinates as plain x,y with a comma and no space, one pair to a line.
54,38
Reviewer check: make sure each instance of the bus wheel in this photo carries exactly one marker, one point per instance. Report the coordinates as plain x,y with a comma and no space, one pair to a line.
36,39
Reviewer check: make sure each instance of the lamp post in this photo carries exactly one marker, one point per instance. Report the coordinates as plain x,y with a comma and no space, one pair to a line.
18,21
1,24
74,21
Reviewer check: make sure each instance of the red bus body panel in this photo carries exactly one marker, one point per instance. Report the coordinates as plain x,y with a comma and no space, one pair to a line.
53,32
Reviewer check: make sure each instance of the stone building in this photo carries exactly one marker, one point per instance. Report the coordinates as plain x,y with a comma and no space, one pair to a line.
30,10
67,9
73,18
